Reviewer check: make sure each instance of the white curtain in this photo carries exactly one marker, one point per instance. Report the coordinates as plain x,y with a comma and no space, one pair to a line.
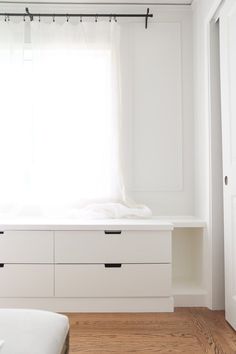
59,122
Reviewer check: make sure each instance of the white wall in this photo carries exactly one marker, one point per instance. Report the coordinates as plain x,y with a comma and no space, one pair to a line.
157,82
216,169
157,103
203,11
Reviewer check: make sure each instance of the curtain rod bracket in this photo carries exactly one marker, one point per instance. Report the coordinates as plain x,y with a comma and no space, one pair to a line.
29,14
146,18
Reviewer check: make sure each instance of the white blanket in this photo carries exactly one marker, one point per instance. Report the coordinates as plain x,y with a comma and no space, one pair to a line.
91,211
32,331
111,211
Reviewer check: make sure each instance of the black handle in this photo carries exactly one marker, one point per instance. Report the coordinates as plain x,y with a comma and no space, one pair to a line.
112,232
1,232
113,265
226,180
2,265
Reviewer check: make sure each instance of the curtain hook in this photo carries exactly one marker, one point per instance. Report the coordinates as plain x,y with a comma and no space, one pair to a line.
96,18
115,19
39,18
24,18
53,18
67,18
8,18
110,17
5,18
81,19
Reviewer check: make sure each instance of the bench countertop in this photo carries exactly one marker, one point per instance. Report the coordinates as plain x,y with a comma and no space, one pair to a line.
155,223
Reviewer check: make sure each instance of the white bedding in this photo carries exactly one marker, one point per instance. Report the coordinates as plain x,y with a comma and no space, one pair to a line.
32,331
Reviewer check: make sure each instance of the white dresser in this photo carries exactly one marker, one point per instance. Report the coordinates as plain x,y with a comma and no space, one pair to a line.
96,266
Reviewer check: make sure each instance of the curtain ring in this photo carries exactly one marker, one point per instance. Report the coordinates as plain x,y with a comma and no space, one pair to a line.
96,18
5,18
8,18
110,19
67,18
80,18
24,18
53,18
39,18
115,19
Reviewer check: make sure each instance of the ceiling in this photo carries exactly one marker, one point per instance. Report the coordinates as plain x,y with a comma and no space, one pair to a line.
179,2
159,2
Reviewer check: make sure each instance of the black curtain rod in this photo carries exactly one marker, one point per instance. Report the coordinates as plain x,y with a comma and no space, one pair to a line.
54,15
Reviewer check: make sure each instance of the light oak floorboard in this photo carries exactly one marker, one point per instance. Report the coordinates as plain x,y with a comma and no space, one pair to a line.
187,330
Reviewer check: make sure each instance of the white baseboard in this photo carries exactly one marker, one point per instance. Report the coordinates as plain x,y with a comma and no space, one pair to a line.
106,304
190,300
92,304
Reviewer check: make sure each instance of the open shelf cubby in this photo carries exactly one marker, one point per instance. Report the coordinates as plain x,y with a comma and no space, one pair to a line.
188,264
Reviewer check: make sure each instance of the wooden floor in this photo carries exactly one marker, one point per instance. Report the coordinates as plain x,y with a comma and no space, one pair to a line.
185,331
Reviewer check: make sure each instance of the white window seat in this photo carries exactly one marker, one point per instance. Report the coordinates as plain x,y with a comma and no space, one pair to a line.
160,222
112,265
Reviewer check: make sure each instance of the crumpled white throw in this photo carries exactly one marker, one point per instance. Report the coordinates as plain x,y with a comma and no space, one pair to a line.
102,210
111,211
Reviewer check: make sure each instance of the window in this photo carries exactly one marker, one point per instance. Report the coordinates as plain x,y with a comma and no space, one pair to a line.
58,125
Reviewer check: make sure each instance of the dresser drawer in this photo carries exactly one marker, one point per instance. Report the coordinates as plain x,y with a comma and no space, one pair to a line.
26,247
103,247
26,280
130,280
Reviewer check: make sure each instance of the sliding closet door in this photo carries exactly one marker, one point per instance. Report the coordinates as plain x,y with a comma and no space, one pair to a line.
228,96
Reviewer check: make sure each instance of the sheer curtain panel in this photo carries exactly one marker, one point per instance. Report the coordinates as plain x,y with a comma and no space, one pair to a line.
59,115
59,123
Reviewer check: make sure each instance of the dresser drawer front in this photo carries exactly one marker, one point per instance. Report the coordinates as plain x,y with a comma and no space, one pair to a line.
26,247
23,280
130,280
100,247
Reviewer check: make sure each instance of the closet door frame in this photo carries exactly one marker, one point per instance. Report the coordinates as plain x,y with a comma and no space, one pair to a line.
228,103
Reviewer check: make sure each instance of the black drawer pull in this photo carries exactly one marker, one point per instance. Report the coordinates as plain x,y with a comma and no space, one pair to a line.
113,265
2,265
1,232
112,232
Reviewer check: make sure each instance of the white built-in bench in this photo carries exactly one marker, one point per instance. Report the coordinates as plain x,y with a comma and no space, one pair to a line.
108,265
